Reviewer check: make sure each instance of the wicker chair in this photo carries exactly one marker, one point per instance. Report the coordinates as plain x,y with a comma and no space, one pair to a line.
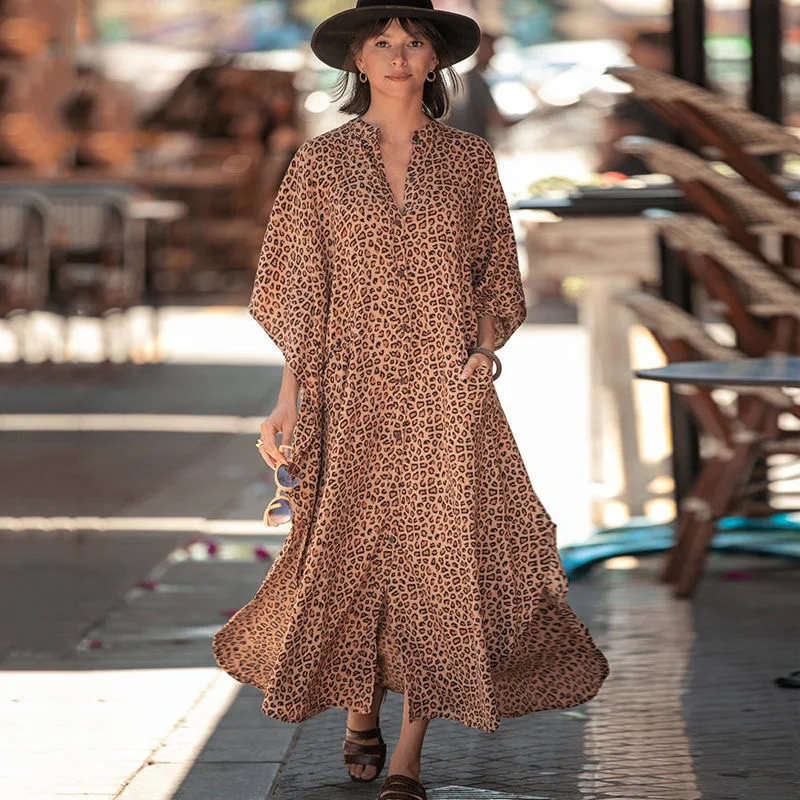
24,261
752,132
98,257
735,437
745,213
757,212
720,128
777,295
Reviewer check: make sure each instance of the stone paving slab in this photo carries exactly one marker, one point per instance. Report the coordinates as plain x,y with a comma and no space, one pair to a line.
201,782
131,388
148,713
689,712
52,586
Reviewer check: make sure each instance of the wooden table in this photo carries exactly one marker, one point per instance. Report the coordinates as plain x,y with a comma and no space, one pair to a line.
780,371
778,535
604,237
697,522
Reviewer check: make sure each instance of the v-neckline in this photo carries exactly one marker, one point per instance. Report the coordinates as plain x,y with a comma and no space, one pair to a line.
403,200
384,171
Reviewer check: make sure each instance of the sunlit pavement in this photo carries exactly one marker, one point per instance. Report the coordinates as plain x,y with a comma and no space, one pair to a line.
139,710
130,524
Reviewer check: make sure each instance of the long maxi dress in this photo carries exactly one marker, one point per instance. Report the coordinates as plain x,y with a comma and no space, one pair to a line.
419,555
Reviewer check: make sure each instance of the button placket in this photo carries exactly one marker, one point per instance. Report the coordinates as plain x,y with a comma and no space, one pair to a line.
371,139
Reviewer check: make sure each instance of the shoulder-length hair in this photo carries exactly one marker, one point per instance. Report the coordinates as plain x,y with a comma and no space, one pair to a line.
436,94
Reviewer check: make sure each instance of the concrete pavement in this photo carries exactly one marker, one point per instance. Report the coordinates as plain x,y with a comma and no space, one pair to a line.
109,597
690,710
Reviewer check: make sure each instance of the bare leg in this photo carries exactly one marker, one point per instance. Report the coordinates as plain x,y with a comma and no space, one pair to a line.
363,722
407,755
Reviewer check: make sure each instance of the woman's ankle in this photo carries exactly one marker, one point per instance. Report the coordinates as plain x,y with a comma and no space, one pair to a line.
405,766
361,722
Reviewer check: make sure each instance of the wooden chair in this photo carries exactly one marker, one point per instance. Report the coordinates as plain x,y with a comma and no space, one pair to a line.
98,262
745,213
719,128
24,260
734,436
771,296
777,294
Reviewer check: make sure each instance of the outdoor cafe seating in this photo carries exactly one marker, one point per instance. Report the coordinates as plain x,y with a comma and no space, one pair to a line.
739,250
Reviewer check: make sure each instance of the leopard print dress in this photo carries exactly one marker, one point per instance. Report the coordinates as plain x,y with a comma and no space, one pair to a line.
419,555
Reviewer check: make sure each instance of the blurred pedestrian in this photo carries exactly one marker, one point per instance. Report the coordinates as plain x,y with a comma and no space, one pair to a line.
420,559
474,109
649,49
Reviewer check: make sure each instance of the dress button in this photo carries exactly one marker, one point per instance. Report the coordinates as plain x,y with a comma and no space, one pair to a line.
398,434
405,327
401,272
392,539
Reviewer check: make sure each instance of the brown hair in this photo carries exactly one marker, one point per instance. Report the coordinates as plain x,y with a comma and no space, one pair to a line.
435,95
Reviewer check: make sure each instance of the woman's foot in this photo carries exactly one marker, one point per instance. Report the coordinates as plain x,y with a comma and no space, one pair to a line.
402,777
361,722
365,748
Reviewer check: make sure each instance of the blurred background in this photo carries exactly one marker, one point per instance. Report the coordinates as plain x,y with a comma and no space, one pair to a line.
141,148
142,144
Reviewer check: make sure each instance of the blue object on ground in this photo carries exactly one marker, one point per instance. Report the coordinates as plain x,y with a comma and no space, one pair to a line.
778,536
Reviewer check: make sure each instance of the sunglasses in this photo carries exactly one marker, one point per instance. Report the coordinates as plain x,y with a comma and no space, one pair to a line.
279,510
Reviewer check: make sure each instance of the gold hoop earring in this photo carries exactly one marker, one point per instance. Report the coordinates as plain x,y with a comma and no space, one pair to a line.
362,76
429,79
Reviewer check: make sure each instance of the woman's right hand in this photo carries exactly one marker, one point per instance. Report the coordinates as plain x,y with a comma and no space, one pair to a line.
282,420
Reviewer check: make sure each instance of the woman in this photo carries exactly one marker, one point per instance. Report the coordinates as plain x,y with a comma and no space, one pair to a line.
420,559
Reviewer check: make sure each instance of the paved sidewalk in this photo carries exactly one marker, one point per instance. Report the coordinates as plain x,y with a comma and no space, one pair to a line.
139,709
690,710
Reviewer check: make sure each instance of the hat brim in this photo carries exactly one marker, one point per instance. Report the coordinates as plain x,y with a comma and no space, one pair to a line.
330,40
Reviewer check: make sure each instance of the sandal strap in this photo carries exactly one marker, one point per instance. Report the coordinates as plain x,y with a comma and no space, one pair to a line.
355,747
401,787
365,759
372,733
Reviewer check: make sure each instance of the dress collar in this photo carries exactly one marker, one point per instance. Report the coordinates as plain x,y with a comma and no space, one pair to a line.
371,132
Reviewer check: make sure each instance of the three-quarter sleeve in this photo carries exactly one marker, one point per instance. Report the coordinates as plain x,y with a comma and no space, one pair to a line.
496,280
290,294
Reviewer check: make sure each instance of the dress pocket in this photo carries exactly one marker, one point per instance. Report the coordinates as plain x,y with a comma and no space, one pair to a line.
471,392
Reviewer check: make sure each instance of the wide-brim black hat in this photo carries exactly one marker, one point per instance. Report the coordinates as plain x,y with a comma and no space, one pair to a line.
331,39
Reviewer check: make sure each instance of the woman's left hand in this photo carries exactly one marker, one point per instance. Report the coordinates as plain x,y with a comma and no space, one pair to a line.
475,360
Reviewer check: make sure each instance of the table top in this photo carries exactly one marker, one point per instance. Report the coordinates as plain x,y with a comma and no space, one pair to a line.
187,177
608,202
780,371
616,201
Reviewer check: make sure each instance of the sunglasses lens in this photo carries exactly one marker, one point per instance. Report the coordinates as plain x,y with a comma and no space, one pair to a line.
284,479
278,512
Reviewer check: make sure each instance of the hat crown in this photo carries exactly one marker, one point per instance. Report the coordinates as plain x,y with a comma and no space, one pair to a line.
332,38
393,3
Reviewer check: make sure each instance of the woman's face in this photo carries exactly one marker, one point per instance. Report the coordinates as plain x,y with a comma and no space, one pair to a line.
395,52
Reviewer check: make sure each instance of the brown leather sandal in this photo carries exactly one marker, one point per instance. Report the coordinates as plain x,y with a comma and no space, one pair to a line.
401,787
371,755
